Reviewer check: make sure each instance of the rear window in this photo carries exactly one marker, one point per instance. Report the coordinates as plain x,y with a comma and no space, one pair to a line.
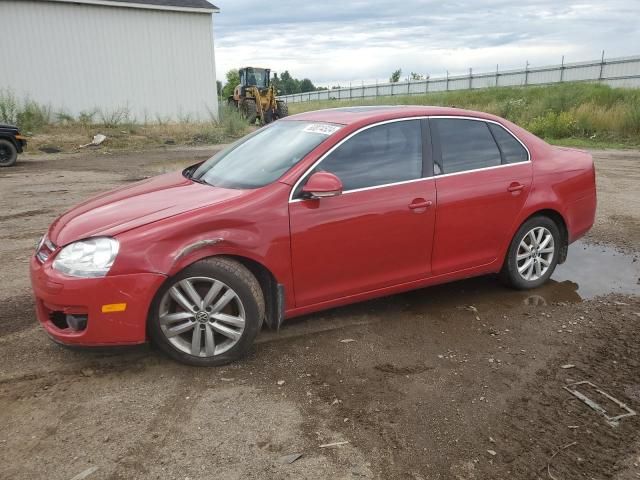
265,155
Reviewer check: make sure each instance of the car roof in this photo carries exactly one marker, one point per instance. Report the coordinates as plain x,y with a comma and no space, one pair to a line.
366,114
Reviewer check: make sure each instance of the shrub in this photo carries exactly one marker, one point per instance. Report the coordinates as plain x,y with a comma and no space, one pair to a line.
232,122
8,107
553,125
631,123
33,116
114,118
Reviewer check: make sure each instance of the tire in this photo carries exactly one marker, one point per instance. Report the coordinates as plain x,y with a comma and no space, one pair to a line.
524,269
268,116
282,109
248,110
8,153
193,336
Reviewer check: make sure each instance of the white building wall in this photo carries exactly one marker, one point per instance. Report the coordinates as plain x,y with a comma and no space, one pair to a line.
158,65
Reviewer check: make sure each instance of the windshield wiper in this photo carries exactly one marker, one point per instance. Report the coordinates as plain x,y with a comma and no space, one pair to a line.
189,174
198,180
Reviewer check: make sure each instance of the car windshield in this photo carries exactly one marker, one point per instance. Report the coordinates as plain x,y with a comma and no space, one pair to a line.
264,156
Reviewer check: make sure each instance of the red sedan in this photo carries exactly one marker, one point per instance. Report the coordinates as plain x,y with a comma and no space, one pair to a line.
314,211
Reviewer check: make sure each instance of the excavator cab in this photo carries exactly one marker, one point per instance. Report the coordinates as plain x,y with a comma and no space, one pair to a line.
255,77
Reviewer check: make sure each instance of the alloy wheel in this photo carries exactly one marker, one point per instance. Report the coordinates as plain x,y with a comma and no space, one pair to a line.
202,316
535,253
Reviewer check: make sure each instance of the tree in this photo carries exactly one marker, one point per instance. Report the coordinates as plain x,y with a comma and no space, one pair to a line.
395,76
233,80
288,84
417,76
306,86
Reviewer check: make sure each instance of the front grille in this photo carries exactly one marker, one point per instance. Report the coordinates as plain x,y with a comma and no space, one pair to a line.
45,249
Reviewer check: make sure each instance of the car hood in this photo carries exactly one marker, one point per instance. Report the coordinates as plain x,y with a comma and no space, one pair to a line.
136,205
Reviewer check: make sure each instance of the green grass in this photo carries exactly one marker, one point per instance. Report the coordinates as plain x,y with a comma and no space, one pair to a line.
579,114
66,132
574,114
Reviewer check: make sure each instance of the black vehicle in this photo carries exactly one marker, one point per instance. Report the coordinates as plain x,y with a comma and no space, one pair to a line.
11,144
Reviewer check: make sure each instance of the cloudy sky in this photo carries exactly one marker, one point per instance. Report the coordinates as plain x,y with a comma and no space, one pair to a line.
337,42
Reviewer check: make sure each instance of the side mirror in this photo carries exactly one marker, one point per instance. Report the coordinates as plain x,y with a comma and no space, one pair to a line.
322,185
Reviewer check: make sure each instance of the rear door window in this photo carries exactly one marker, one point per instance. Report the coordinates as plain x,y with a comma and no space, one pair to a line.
512,150
464,145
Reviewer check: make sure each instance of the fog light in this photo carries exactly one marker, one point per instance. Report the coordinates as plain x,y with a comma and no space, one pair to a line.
77,322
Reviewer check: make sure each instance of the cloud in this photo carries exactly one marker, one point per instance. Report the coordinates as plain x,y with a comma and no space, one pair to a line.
341,42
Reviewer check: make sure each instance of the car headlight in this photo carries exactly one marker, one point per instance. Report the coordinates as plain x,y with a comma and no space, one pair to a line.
92,257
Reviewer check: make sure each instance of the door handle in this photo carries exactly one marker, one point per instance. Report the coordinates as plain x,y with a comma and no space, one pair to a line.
515,187
420,203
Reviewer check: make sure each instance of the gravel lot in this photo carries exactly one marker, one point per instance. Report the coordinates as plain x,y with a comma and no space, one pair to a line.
462,381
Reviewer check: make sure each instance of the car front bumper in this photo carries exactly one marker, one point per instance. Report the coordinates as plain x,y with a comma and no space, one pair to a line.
111,310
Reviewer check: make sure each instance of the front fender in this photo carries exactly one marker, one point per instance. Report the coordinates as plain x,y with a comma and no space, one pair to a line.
255,227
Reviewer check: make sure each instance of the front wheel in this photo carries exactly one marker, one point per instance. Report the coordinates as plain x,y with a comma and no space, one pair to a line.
248,110
533,254
209,314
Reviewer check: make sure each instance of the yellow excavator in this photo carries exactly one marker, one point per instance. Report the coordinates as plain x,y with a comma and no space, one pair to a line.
255,97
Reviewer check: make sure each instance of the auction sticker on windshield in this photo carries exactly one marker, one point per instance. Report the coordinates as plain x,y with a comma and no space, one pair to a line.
322,128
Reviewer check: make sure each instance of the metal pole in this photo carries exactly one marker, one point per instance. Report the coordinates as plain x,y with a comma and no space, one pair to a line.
497,74
562,70
349,90
376,88
362,88
470,78
447,84
526,73
601,66
426,84
408,86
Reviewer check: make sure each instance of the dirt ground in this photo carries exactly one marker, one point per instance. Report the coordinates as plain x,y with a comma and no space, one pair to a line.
461,381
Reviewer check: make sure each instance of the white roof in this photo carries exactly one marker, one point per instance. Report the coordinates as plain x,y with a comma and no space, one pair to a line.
194,6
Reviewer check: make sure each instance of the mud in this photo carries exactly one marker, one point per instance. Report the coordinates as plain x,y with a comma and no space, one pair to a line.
431,381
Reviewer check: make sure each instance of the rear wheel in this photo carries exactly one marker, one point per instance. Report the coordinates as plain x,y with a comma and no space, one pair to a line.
533,254
282,109
8,153
209,314
248,110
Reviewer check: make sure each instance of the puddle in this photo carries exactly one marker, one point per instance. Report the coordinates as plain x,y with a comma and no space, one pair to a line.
589,271
600,270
